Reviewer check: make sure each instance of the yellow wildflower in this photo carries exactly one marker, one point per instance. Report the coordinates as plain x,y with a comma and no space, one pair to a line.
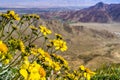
70,76
32,72
90,72
11,13
44,30
26,63
60,59
34,76
3,47
56,66
6,61
22,47
47,55
41,51
6,16
16,17
34,67
42,72
24,73
48,62
82,67
60,45
87,72
87,76
34,51
3,56
36,72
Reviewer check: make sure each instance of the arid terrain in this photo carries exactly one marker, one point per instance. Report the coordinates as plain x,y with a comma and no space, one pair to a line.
104,47
90,44
112,27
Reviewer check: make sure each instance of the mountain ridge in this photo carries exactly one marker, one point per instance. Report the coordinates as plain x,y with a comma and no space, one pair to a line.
99,12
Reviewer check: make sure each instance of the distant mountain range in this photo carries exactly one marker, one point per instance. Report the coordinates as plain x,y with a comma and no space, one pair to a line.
98,13
40,10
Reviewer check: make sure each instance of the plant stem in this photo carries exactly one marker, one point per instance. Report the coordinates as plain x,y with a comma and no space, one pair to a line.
9,34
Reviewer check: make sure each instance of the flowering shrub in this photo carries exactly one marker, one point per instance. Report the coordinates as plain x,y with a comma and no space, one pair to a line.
22,59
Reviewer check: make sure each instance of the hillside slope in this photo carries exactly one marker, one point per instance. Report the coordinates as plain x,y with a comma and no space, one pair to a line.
87,46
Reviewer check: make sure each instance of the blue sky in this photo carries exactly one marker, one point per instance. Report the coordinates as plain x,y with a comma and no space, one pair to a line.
51,3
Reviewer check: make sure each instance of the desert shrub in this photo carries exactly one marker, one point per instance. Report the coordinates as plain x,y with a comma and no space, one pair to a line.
21,58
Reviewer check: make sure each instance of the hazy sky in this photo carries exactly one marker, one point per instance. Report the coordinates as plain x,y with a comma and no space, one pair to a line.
51,3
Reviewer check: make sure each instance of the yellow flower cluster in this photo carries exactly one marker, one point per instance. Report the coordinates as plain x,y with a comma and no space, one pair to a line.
47,60
44,57
11,15
4,55
37,51
56,66
44,30
61,60
32,71
74,75
59,44
87,72
17,44
80,74
20,52
7,58
34,51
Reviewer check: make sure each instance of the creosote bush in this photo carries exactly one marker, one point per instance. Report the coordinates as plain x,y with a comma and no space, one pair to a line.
22,59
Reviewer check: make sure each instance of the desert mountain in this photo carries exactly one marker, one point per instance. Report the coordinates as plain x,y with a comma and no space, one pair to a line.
98,13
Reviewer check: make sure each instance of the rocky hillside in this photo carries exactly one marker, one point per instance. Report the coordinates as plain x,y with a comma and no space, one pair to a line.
98,13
